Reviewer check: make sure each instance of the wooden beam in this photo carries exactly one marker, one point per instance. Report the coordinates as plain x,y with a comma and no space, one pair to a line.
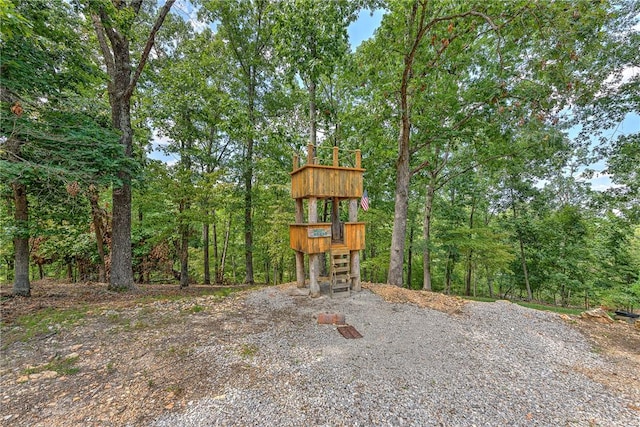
309,154
356,284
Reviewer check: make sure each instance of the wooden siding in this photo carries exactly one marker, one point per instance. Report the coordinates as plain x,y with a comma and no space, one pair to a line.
354,235
326,181
300,241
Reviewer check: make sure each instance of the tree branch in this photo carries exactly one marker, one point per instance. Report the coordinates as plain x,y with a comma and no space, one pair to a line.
104,46
147,48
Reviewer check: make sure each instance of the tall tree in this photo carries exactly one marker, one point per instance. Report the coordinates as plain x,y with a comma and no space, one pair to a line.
480,45
52,136
190,107
247,26
115,25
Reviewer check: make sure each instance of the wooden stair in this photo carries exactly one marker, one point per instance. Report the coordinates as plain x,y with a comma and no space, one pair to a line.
340,271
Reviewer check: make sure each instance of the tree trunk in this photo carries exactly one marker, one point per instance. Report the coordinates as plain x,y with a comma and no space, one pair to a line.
70,270
448,273
523,259
248,186
121,277
469,272
524,268
216,259
410,255
426,234
114,44
403,173
184,246
205,242
21,284
220,273
98,226
398,235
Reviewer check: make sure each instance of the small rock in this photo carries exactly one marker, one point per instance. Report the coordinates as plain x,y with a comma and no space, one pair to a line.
73,355
298,292
76,347
22,379
47,375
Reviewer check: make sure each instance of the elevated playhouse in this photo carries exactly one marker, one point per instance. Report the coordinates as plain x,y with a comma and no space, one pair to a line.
315,182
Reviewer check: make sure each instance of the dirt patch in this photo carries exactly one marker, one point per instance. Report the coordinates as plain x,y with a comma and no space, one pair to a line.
132,356
619,342
51,294
425,299
125,360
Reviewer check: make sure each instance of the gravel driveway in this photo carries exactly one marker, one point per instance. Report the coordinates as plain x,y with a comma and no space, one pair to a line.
494,364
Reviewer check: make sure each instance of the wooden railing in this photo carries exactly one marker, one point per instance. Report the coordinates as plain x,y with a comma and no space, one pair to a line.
313,159
323,181
316,238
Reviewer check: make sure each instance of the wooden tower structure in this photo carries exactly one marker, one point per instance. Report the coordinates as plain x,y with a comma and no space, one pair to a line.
313,182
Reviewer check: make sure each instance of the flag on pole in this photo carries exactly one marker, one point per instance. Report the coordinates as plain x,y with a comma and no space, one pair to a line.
364,201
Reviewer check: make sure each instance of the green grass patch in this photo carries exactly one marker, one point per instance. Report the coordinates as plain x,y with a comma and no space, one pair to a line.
62,366
196,309
481,299
552,308
248,350
535,306
43,322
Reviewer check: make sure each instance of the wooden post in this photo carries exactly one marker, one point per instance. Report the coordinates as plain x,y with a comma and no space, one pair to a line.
309,154
335,156
296,162
314,286
299,255
335,219
356,284
358,159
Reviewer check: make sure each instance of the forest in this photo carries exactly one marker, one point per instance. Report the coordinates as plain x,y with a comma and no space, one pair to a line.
146,141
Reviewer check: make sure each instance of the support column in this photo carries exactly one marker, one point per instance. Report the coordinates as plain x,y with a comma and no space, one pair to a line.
335,220
356,284
299,255
314,286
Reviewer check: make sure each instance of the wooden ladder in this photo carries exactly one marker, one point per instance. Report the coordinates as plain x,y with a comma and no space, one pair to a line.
340,269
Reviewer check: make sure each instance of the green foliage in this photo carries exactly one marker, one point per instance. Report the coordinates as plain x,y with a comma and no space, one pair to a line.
492,90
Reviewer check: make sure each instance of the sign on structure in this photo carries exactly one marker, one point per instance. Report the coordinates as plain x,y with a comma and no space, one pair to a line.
319,232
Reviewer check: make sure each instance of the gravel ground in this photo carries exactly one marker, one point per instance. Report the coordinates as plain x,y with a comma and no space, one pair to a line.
495,364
